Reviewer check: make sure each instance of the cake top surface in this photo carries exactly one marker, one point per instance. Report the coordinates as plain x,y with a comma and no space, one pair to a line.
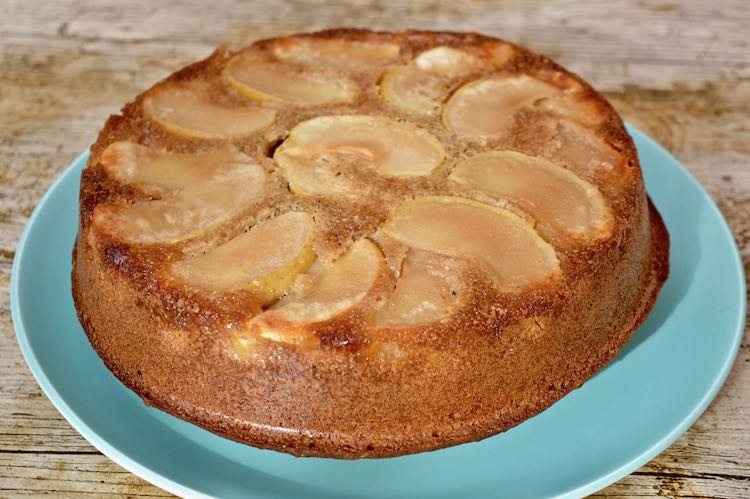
346,187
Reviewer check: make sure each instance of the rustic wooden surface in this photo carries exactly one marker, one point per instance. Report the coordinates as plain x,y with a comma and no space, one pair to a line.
680,70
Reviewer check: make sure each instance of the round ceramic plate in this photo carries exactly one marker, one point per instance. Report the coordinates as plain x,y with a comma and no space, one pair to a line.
651,393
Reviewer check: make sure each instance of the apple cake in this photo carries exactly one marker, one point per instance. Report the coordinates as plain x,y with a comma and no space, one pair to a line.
360,244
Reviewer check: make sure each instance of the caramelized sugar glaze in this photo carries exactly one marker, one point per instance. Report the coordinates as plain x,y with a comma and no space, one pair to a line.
358,244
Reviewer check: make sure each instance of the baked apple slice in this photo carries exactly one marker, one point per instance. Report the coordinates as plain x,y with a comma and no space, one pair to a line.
487,107
428,289
197,191
321,153
563,204
133,163
264,260
500,242
260,79
569,106
338,290
186,110
589,155
343,54
421,86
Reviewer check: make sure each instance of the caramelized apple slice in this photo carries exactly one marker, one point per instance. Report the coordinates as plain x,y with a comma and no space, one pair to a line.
586,111
198,191
339,290
264,80
446,61
502,243
265,260
185,110
499,53
486,107
562,203
428,290
336,53
159,221
317,151
136,164
589,155
421,86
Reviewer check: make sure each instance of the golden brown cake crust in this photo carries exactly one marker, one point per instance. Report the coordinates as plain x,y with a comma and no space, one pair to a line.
500,360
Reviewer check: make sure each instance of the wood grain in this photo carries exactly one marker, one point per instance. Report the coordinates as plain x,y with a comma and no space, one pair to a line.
678,70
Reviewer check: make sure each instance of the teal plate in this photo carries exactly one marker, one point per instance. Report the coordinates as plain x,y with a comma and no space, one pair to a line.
626,414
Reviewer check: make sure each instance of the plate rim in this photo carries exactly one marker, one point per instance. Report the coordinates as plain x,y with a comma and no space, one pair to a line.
160,480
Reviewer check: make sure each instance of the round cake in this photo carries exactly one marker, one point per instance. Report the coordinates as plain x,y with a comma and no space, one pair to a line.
358,244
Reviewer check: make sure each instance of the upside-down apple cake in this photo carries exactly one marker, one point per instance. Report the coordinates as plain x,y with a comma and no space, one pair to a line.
359,244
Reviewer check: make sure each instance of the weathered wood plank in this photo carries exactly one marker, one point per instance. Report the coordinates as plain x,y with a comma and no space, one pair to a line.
678,70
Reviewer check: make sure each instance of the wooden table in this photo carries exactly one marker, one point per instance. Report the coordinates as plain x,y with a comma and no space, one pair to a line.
679,70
